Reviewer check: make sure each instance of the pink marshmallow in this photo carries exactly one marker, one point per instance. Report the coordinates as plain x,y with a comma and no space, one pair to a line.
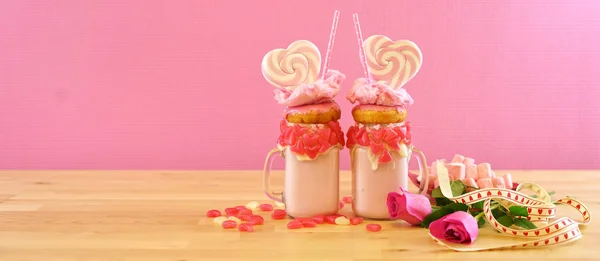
471,171
498,182
456,170
484,170
470,183
485,183
493,174
508,180
432,179
468,161
436,183
458,158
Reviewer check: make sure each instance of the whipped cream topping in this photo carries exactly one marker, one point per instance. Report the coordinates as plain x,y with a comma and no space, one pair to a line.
322,90
365,91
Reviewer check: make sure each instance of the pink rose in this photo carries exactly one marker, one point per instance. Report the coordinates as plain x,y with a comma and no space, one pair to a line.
458,227
412,208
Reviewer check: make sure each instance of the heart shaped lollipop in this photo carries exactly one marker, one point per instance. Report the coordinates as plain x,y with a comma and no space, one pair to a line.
288,68
393,63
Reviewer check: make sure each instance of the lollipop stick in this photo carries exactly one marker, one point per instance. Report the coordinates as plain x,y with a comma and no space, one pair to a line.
336,16
361,47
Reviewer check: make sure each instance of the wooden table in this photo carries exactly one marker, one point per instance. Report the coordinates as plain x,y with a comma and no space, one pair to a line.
159,215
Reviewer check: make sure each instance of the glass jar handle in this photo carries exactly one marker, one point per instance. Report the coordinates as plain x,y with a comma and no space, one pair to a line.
422,171
267,176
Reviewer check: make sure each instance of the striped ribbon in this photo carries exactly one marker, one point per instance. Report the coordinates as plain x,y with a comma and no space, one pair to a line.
541,211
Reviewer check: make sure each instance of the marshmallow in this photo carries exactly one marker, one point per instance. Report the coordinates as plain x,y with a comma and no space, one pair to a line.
432,180
498,182
458,158
471,171
470,184
485,183
456,170
484,170
469,161
508,180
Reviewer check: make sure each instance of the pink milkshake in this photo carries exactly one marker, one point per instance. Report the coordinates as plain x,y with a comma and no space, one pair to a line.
380,147
310,137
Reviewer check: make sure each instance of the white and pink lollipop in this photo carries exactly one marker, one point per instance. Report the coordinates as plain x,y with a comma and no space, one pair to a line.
299,63
393,63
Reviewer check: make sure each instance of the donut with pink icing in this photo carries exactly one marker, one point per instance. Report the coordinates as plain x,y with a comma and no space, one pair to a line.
319,113
378,114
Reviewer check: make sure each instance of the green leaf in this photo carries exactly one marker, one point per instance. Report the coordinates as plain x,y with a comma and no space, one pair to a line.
435,215
442,201
506,221
524,223
478,205
497,213
518,211
480,222
458,188
457,207
437,193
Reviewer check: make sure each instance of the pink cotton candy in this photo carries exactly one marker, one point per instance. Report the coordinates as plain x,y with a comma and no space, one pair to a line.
365,91
485,183
468,161
471,171
470,184
484,170
312,93
508,180
456,170
498,183
458,158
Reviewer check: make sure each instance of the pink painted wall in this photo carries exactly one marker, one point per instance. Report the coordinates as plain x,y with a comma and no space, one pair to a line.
138,84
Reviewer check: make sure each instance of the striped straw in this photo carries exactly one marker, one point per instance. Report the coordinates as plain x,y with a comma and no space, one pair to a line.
336,16
361,47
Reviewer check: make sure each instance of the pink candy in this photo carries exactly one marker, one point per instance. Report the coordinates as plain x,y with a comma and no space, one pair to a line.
458,159
484,170
485,183
471,171
456,170
508,180
470,183
498,182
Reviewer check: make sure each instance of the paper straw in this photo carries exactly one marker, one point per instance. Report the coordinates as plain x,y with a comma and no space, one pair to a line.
361,47
336,16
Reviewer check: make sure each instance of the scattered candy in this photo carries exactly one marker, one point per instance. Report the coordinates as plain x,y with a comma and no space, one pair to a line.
341,204
256,220
279,214
342,221
219,220
245,211
471,171
234,219
244,217
213,213
347,199
252,205
484,170
330,219
319,219
373,227
309,223
228,224
508,180
485,183
265,207
246,227
356,220
231,211
498,182
240,208
279,204
294,224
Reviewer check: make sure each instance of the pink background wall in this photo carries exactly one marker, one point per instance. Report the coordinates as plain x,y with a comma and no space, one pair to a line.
138,84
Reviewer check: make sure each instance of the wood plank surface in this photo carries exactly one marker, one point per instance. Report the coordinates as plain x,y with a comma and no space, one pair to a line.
159,215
